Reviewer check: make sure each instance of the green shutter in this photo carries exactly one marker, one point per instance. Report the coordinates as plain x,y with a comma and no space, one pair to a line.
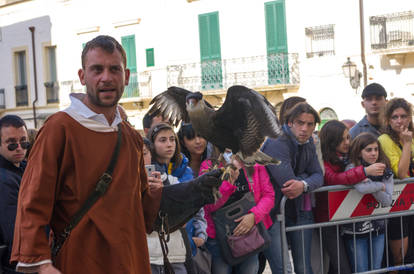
128,43
276,42
209,31
150,57
276,36
210,50
204,36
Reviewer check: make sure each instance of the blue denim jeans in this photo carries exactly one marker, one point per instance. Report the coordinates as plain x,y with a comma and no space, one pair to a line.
301,246
219,266
274,252
363,250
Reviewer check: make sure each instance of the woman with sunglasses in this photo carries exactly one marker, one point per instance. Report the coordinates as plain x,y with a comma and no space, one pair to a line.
398,145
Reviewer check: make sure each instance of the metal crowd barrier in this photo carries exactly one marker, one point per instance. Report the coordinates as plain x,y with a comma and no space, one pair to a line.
337,223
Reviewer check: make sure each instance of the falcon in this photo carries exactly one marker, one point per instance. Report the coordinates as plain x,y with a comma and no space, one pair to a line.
241,124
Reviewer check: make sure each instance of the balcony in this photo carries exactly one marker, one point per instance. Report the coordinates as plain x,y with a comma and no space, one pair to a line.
392,31
132,90
258,72
254,72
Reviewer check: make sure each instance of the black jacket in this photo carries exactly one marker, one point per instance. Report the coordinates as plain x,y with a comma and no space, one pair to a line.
10,177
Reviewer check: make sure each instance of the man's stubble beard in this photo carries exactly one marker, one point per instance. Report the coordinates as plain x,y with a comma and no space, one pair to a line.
94,99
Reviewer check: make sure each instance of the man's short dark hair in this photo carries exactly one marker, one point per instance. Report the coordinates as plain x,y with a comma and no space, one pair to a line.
374,89
147,120
11,121
300,108
105,42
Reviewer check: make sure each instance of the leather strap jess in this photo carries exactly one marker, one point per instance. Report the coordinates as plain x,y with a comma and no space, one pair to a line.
100,189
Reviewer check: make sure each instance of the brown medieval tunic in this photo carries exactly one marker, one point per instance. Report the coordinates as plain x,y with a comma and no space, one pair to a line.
65,164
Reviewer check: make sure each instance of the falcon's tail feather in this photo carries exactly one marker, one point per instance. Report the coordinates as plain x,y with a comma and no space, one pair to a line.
260,158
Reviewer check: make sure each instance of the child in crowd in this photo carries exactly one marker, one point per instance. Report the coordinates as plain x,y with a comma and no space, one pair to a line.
335,140
193,146
166,156
363,238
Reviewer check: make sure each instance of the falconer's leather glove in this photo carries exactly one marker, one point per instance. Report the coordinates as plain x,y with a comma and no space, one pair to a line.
180,202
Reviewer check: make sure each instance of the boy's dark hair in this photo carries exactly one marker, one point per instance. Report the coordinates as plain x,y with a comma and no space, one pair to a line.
148,118
105,42
186,130
390,107
300,108
152,134
331,136
287,105
359,143
147,143
11,121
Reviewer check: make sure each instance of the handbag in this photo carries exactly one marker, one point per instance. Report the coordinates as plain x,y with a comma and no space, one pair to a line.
202,261
224,225
246,243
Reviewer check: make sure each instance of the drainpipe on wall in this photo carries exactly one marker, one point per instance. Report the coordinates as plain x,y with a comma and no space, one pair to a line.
32,30
362,33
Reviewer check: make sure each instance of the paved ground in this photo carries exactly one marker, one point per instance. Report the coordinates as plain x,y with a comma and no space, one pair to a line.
267,269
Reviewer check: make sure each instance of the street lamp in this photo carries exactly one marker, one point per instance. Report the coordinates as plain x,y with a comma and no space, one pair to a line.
350,71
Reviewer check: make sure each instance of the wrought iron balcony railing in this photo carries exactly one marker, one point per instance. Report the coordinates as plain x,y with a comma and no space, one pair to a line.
254,71
392,31
132,90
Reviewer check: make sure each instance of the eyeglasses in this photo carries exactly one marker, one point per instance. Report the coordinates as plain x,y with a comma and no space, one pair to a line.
402,117
14,146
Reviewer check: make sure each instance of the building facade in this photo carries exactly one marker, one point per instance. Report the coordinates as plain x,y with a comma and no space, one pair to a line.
280,48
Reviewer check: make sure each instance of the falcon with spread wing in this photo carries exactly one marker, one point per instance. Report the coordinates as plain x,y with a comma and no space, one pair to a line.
241,124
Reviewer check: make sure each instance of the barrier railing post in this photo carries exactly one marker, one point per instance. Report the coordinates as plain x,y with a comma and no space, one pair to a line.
341,220
282,220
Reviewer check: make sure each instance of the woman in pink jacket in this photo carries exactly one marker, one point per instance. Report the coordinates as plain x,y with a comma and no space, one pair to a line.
256,180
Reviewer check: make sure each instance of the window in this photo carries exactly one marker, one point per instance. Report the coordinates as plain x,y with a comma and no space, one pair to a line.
276,43
392,30
320,41
2,99
150,57
326,115
21,78
128,43
210,51
51,83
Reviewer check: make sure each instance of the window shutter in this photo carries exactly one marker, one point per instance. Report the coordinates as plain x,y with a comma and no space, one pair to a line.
204,36
150,57
276,37
128,43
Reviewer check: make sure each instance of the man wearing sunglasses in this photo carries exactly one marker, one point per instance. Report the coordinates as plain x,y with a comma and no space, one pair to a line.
13,147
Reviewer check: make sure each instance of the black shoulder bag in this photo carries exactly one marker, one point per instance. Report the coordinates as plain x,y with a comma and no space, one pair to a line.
100,189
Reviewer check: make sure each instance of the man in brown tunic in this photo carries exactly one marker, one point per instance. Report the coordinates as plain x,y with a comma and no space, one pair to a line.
71,152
